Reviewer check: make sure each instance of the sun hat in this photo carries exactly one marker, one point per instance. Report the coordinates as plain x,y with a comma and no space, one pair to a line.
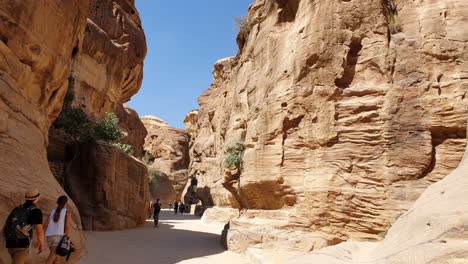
32,195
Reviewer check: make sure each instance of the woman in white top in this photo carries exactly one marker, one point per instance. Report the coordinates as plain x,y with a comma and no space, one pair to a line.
57,226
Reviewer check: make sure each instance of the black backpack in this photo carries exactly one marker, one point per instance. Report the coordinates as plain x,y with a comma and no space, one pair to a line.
157,207
17,225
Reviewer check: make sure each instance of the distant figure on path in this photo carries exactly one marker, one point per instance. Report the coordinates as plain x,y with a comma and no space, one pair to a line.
181,208
156,209
176,207
19,227
150,209
57,226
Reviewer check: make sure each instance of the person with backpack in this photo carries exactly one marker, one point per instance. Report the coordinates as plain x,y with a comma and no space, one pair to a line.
19,227
156,209
181,208
57,227
176,207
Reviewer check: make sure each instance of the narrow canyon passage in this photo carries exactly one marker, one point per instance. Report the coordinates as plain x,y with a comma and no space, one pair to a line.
178,239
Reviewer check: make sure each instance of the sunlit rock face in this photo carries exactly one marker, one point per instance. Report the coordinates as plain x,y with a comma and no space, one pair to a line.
36,50
347,114
134,130
434,230
108,69
166,150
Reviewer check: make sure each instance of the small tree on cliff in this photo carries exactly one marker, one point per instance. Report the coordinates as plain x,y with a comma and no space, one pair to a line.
107,128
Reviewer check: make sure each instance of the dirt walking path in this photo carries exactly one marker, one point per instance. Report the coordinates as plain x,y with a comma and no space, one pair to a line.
178,239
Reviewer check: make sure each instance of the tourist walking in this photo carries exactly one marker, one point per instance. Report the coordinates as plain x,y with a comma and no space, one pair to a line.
57,226
176,207
19,227
181,208
156,209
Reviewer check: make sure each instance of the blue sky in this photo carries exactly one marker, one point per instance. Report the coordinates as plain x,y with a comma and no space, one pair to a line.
185,38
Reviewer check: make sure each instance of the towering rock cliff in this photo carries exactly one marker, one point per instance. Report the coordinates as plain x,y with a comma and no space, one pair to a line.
90,52
109,187
36,50
166,150
344,111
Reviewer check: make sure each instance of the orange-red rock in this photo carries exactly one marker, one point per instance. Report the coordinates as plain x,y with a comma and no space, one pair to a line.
36,46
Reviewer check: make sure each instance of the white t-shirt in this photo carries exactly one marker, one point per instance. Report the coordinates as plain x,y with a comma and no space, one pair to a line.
56,228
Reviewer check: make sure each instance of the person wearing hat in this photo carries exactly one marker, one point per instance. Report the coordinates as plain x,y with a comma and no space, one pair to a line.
30,218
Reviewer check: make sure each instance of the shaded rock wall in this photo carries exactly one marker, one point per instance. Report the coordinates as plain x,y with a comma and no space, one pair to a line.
344,122
134,130
109,187
167,149
36,49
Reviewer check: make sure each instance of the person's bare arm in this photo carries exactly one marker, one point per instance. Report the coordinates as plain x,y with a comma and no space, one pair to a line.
40,236
46,223
68,223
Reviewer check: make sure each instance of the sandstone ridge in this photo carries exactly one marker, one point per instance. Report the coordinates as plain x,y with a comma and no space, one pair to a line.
166,151
346,114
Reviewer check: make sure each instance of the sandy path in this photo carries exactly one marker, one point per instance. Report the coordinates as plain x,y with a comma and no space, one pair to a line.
178,239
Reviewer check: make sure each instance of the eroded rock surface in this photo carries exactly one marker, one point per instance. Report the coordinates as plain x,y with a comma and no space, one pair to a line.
134,130
35,62
109,187
167,149
434,230
108,69
346,117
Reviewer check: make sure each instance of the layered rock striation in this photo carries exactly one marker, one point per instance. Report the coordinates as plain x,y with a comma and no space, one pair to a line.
35,62
346,110
434,230
167,152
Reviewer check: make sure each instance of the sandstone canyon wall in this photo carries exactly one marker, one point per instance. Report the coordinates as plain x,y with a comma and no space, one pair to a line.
347,113
167,150
49,49
36,50
109,187
434,230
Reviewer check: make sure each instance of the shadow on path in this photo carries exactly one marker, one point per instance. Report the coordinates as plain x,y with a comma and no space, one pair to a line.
171,242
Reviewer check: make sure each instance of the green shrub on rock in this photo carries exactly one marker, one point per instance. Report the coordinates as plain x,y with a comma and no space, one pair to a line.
124,148
76,123
107,128
234,155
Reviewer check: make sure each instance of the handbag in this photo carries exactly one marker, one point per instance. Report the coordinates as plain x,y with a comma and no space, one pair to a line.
63,248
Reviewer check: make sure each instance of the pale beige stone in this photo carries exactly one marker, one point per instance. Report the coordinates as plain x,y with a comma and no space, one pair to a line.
344,124
167,150
219,215
434,230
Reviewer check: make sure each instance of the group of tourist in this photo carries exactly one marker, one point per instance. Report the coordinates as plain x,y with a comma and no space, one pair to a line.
17,231
155,209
